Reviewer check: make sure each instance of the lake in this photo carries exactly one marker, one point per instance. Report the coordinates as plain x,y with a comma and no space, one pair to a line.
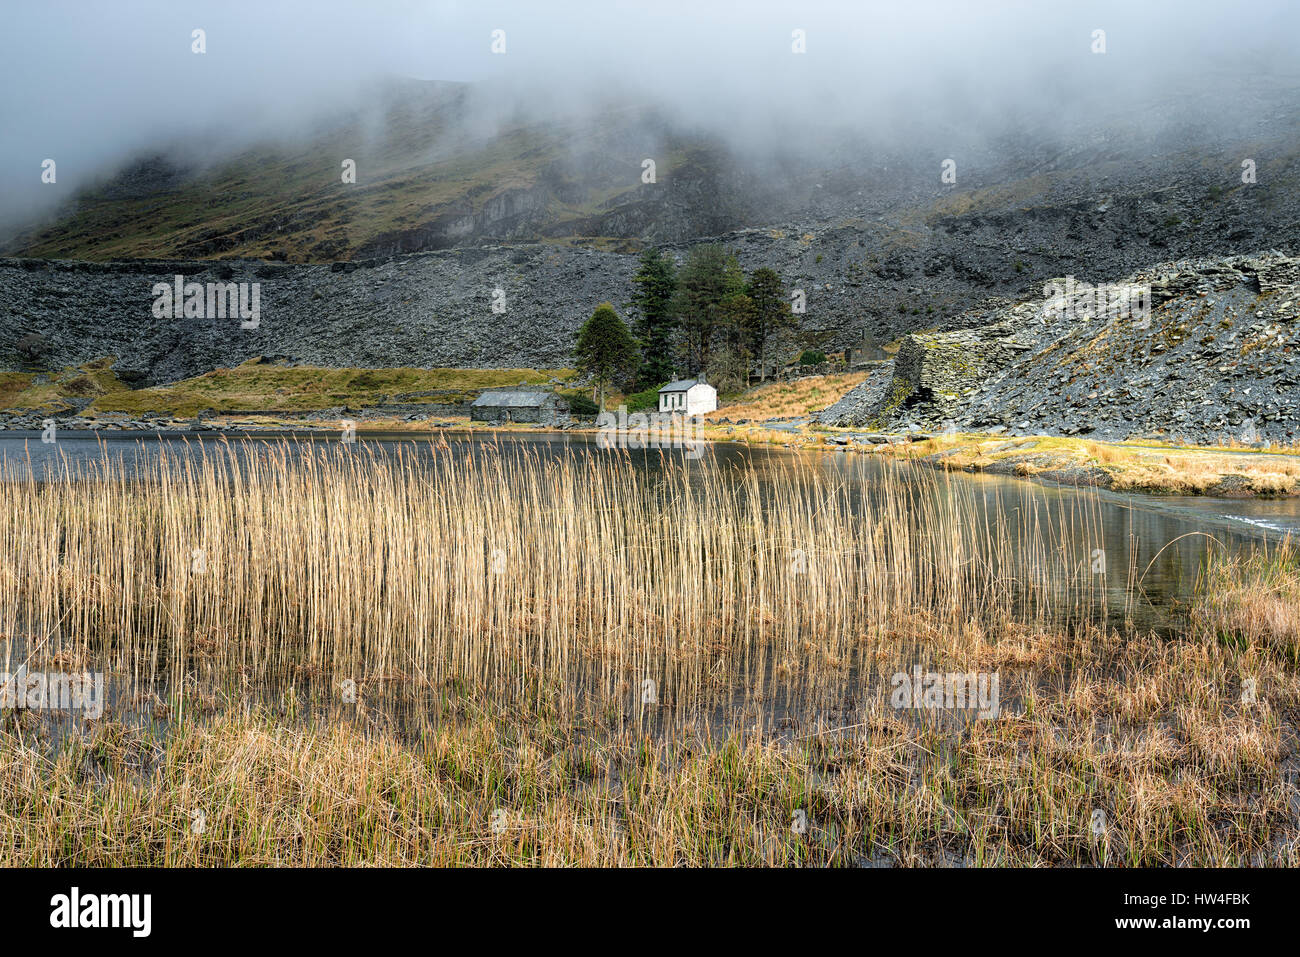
1164,537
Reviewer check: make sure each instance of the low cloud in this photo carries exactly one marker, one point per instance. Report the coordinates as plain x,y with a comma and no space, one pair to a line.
93,85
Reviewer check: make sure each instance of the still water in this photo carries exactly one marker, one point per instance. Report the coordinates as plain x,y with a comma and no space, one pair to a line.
1156,543
1146,523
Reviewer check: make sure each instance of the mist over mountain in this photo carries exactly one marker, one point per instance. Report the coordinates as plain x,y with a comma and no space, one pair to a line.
901,166
875,86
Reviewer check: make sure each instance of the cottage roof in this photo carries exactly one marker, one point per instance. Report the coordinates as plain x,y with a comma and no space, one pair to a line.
514,398
681,385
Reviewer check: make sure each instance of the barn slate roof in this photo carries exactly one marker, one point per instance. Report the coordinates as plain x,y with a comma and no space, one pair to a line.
514,398
681,385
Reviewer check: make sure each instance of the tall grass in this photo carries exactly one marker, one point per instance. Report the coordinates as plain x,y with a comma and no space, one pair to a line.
531,577
516,604
1253,600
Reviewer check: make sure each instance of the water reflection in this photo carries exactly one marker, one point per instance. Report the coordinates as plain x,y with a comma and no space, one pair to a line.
1157,542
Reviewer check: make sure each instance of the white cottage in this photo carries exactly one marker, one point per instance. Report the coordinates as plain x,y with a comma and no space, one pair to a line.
689,397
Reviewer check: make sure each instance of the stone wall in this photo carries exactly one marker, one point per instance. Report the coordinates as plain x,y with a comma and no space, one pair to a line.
936,372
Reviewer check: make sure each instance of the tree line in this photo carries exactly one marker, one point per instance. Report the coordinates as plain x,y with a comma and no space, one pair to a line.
707,318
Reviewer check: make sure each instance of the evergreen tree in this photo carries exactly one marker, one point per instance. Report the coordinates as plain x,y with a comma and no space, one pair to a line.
656,289
605,348
770,314
709,278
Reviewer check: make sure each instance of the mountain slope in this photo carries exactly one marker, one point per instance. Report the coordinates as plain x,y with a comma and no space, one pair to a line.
553,210
426,178
1216,360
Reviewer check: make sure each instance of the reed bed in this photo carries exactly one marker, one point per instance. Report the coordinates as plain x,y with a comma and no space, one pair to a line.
587,574
499,614
1253,600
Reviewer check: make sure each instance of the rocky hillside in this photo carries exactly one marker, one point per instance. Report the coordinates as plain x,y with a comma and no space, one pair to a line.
427,310
1217,358
555,213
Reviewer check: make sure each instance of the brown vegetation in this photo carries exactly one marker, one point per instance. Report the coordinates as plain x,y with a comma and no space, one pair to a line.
500,616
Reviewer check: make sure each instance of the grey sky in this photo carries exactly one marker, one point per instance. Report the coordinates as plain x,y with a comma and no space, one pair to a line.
91,83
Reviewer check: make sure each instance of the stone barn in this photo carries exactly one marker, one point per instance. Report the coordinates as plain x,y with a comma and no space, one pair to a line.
538,406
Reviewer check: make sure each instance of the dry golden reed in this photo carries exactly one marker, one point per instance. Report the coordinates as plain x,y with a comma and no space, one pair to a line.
515,572
500,612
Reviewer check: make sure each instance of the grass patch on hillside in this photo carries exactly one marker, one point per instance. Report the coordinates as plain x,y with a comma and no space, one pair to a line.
58,391
257,386
1016,193
13,385
788,399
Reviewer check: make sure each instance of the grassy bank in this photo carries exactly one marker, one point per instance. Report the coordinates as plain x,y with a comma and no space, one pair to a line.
258,386
786,399
1182,774
274,395
580,662
1122,466
56,392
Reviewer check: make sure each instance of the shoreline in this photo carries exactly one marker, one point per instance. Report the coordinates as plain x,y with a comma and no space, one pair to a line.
1136,467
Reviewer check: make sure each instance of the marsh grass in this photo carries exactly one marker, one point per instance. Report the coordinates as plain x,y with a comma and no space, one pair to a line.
511,572
1253,600
500,614
1183,778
